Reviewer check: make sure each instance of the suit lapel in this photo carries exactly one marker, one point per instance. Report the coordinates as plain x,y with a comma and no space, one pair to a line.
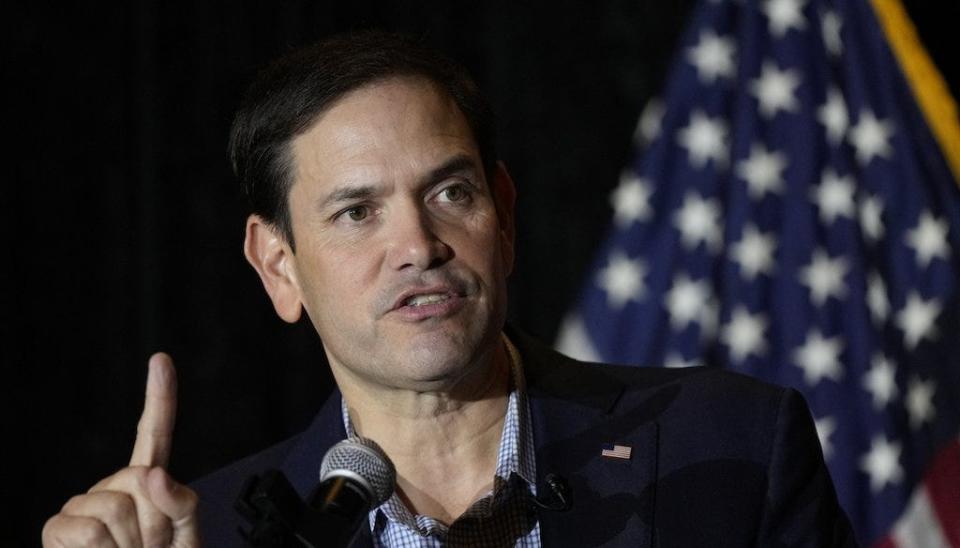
574,414
302,465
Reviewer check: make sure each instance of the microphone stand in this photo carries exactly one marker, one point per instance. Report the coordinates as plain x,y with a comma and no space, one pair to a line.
281,519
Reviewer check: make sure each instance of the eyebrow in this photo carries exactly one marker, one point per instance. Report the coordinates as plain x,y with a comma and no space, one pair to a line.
460,163
347,194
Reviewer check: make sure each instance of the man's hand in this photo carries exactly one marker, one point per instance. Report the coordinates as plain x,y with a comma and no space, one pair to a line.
140,505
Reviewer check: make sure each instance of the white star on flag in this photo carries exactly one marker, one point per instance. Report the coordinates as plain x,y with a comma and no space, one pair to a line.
648,127
871,137
622,279
833,196
824,276
917,319
877,300
675,361
774,90
830,24
834,117
698,220
743,334
826,426
929,239
784,15
871,218
882,463
713,57
819,357
631,200
763,171
880,381
754,252
685,300
919,402
705,138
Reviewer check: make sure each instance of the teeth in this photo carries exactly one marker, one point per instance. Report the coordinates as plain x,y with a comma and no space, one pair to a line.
418,300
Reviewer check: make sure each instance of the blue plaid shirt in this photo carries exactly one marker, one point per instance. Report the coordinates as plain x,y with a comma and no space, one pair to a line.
503,517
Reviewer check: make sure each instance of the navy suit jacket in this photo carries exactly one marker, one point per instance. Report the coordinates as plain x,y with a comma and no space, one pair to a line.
718,459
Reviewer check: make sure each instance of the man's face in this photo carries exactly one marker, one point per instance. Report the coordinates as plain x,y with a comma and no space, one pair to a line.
402,254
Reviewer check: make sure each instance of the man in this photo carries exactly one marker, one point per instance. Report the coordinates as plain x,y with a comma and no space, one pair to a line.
378,209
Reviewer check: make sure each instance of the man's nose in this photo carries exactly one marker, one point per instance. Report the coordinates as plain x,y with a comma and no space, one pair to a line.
415,242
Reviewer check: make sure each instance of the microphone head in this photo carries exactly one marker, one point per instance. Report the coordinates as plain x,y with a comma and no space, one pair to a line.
361,460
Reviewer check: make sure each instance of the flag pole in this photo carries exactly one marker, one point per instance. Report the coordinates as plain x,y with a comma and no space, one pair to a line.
929,89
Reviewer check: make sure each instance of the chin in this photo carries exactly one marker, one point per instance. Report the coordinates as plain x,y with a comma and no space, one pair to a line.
439,358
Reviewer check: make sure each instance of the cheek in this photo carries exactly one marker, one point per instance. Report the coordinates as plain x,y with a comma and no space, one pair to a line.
498,248
485,253
336,304
333,281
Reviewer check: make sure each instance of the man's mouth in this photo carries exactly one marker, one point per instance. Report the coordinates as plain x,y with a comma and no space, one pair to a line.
428,298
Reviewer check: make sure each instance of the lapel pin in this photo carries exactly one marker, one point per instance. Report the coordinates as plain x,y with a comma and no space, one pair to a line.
620,452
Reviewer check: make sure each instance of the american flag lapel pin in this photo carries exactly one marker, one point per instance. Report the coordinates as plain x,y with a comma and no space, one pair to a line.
618,452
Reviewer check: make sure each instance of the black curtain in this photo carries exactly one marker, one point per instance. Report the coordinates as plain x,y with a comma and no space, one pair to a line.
124,224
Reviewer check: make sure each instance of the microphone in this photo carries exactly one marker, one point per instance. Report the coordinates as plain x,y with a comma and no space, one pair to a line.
559,498
355,476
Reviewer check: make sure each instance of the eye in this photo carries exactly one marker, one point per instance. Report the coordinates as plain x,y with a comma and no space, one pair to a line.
454,193
356,213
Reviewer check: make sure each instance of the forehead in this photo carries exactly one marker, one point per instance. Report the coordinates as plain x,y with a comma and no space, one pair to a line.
382,131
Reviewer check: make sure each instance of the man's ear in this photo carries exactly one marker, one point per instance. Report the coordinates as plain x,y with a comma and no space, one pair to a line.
271,256
505,196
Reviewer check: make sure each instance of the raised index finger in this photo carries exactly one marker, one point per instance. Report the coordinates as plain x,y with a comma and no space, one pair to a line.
155,429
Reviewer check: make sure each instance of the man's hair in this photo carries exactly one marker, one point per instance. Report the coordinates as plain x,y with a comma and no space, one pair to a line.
291,93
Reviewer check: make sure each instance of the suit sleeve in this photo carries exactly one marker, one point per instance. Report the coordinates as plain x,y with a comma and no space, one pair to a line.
801,507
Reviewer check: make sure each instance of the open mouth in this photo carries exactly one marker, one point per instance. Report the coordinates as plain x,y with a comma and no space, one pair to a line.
425,299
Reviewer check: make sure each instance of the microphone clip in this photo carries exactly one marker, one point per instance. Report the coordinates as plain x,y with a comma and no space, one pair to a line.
558,497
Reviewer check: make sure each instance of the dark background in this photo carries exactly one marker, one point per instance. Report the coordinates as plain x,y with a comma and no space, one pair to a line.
124,226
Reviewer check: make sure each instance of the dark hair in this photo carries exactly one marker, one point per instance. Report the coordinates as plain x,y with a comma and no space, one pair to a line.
290,93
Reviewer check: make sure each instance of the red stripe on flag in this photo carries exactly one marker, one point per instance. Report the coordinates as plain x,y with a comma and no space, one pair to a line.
942,481
885,542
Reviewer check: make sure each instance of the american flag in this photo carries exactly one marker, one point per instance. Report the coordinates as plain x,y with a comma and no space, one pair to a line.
791,213
614,451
